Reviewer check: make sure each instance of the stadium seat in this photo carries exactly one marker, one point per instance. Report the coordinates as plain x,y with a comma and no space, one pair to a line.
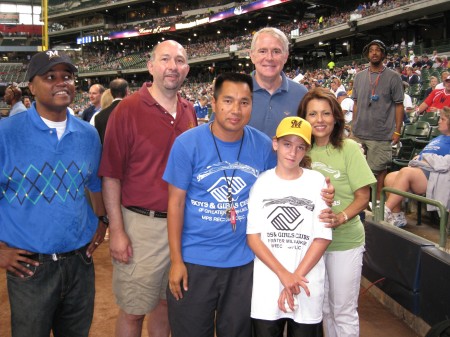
431,117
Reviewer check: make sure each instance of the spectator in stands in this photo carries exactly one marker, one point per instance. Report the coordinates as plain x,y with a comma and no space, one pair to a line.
378,110
407,103
346,105
444,61
274,95
119,90
49,231
26,100
201,107
435,54
419,75
444,75
95,95
336,86
13,97
331,65
343,162
437,99
402,47
411,56
105,102
428,173
437,62
432,85
426,62
350,88
417,63
411,78
139,136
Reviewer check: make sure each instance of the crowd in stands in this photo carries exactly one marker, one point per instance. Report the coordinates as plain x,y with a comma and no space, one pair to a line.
148,19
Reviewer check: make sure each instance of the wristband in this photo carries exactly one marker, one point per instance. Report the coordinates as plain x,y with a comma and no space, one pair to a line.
397,133
104,219
345,216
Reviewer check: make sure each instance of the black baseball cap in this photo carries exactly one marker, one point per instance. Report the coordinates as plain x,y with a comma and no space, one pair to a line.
379,43
43,61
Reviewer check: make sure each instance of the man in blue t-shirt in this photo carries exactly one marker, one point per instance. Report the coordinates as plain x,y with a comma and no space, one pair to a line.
207,215
48,231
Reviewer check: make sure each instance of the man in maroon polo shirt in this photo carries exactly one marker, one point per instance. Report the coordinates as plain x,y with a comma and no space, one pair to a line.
138,139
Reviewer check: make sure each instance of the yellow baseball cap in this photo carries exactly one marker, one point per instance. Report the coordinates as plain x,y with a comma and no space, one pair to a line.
294,126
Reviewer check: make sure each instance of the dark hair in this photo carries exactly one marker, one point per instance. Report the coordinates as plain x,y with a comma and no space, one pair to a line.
306,162
337,135
118,88
17,93
231,77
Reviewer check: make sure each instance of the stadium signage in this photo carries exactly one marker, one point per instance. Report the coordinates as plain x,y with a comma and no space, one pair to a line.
256,5
159,29
192,24
12,18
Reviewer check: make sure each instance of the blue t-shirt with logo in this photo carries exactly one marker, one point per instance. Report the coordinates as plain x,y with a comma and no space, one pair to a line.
439,145
208,238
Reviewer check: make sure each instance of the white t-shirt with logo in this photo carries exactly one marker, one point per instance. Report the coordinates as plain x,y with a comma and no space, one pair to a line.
285,213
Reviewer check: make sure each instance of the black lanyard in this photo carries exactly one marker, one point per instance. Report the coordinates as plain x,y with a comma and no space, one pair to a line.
231,212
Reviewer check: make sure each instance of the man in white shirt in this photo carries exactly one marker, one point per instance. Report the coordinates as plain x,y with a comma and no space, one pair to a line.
346,105
444,75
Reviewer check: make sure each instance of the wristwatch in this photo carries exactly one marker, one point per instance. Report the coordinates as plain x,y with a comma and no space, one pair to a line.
104,219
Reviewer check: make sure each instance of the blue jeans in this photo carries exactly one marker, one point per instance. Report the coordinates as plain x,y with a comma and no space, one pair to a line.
59,297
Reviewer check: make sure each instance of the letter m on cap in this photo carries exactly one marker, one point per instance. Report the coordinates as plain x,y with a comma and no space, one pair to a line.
296,124
52,53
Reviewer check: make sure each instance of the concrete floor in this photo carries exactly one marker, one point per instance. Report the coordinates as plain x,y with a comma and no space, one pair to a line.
375,319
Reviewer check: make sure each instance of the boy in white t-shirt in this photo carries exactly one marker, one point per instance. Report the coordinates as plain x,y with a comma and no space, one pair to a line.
284,232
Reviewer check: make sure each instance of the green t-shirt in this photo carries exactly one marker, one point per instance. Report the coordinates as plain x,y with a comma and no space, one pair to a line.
348,171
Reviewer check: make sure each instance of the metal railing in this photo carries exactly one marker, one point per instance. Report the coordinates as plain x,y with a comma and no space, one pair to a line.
443,213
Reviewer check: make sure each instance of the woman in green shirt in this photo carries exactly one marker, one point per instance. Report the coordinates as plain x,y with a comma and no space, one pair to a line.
341,160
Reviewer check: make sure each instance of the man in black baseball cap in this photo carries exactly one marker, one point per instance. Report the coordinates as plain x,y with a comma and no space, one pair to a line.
49,230
41,62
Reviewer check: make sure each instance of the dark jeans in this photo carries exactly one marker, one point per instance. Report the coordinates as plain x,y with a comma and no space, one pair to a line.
59,297
263,328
